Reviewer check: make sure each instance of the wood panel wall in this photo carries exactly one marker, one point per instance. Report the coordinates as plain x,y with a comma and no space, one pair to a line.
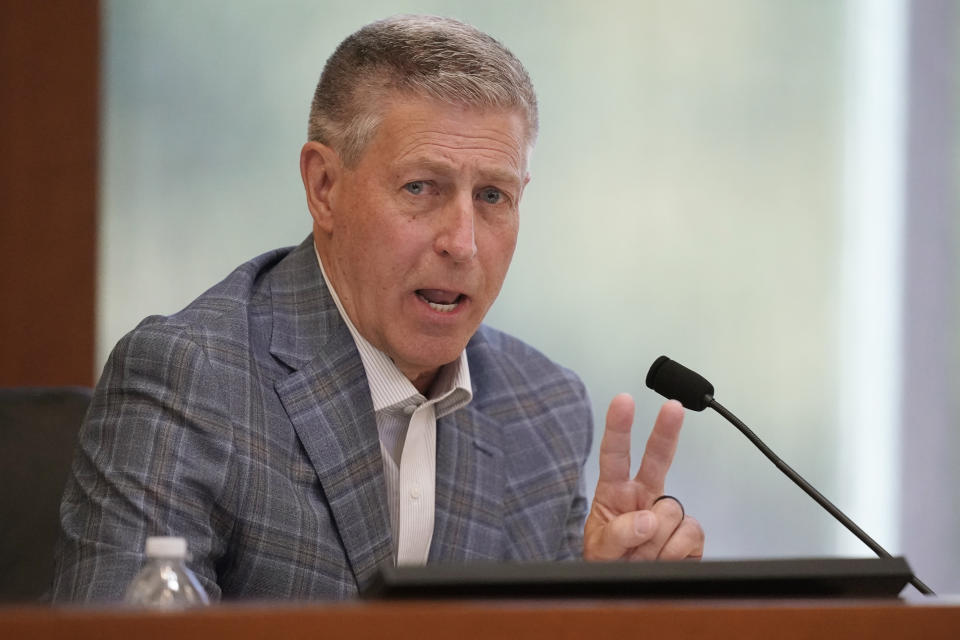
49,121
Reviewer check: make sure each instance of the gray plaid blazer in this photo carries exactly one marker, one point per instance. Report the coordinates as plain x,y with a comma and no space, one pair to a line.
244,423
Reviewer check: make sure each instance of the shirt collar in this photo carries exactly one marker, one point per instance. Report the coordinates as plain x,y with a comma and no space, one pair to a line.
389,388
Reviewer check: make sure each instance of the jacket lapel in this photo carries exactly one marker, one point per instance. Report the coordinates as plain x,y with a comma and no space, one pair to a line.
469,512
327,399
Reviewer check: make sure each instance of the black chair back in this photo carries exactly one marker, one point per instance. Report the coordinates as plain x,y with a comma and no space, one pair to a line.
38,433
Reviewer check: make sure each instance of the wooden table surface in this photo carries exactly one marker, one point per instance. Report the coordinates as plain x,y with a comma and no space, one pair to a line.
465,620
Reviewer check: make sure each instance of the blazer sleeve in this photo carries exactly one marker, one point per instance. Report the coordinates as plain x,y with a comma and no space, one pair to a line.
154,458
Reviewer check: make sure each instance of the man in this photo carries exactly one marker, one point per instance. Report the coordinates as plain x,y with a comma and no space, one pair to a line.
334,407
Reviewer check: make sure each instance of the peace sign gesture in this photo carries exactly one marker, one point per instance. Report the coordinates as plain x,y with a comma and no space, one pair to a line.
626,519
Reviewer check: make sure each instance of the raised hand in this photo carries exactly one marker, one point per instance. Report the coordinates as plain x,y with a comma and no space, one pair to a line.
626,519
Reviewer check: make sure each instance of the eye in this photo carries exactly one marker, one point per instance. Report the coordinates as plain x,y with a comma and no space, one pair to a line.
490,195
417,187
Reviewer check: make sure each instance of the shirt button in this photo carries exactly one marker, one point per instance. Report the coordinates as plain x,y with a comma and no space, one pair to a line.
415,493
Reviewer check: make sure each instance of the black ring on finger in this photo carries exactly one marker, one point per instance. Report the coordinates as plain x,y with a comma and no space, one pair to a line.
683,512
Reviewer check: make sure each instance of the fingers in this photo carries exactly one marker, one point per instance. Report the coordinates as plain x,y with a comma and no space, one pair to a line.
669,516
662,533
624,522
615,446
613,540
661,445
686,542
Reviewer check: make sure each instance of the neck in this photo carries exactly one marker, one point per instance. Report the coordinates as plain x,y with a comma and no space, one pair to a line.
422,381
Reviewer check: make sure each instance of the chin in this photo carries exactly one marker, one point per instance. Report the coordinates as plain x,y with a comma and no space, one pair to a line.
432,355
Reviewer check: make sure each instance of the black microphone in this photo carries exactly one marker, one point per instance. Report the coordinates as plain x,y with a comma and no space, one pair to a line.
676,382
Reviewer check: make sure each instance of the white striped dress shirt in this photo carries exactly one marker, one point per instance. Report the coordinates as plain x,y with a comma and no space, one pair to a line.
407,424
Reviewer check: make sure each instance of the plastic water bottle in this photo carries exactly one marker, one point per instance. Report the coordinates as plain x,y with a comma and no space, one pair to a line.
165,582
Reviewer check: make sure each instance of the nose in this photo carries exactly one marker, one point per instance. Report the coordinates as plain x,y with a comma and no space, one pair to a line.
456,236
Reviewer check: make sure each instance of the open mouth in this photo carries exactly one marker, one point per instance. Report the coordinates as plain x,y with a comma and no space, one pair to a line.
440,300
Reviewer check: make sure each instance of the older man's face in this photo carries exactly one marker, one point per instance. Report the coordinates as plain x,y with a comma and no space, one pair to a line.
423,229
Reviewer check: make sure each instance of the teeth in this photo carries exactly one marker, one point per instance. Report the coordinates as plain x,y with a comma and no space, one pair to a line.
436,306
442,307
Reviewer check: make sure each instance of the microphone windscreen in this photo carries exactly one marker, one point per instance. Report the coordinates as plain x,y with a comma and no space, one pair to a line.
675,382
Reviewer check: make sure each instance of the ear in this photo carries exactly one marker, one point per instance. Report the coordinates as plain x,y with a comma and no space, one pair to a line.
320,170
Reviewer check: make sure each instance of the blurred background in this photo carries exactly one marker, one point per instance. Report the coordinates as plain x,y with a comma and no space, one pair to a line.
764,191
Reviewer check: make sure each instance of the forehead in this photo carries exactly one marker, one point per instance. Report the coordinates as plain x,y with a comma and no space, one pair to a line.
417,130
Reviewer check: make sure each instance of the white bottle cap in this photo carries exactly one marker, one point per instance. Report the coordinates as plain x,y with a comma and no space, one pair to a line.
166,547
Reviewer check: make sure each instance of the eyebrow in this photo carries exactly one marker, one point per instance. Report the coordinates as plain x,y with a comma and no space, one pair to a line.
447,168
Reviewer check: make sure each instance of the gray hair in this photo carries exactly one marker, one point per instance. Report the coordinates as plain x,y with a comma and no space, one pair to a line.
423,56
